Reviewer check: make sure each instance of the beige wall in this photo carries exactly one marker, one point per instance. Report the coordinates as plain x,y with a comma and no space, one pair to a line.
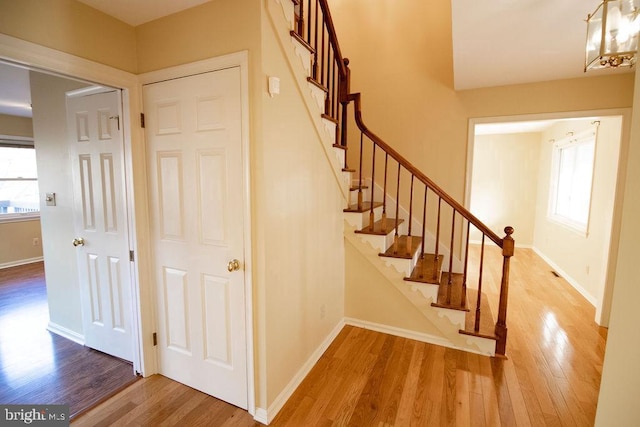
582,257
54,175
211,29
504,183
618,402
72,27
298,238
17,242
15,125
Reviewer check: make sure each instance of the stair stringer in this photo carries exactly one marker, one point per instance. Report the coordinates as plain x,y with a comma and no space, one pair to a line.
280,17
447,322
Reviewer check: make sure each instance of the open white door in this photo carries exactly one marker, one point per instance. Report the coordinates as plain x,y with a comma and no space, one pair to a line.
193,130
101,241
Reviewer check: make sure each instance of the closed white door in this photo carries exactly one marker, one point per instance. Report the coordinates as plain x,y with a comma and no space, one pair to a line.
101,240
193,128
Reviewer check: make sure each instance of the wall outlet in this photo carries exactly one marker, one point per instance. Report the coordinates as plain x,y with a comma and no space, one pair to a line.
36,241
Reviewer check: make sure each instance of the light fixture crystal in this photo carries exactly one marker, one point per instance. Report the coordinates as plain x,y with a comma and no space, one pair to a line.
612,35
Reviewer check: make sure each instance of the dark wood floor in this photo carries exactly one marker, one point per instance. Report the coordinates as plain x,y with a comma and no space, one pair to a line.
551,377
39,367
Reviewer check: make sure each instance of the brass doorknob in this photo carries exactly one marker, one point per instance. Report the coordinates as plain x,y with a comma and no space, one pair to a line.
78,241
234,265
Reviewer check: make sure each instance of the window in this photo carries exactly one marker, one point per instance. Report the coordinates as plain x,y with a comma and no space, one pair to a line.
571,180
18,183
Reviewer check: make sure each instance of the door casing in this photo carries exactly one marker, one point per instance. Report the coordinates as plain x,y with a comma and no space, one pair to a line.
239,59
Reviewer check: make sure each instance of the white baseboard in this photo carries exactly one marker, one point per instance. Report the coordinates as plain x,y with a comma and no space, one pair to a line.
573,282
20,262
398,332
65,333
265,417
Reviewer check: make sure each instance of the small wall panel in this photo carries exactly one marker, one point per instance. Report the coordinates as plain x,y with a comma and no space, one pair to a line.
109,203
82,126
104,124
217,327
94,289
210,113
115,291
169,117
212,203
176,309
170,193
86,188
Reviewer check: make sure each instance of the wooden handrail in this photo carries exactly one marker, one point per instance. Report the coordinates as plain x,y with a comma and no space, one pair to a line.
355,97
333,38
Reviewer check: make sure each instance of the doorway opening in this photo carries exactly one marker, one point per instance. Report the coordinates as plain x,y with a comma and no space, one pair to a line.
517,176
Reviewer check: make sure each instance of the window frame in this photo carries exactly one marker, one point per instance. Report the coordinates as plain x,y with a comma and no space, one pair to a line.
22,143
572,140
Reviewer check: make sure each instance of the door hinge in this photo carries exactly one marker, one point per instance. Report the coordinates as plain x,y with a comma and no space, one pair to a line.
132,256
155,339
142,120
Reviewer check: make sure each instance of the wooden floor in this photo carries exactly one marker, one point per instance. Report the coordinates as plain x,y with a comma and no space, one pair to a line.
39,367
551,377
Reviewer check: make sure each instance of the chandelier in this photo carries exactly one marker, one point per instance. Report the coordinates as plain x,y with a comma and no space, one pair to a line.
612,35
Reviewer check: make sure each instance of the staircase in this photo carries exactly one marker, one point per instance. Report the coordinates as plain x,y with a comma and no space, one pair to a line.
412,232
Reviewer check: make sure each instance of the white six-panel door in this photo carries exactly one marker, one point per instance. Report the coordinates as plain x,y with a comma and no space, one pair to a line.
193,131
101,240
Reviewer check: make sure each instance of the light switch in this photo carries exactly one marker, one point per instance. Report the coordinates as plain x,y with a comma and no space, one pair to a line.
274,86
50,199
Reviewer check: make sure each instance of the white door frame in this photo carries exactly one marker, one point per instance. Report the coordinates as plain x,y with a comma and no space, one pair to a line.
603,304
40,58
241,60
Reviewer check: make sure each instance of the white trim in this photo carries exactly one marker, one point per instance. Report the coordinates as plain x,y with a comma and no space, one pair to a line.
573,282
20,262
65,333
33,56
400,332
285,394
241,60
19,217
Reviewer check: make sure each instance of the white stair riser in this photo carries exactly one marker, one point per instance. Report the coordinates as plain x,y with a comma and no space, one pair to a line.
361,219
455,316
304,54
289,12
318,95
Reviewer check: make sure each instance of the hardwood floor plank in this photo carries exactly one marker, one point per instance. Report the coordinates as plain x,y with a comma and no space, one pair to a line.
550,378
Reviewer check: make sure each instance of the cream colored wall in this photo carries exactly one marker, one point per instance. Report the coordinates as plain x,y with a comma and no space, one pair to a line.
504,183
72,27
17,242
299,249
211,29
618,402
16,125
54,175
582,258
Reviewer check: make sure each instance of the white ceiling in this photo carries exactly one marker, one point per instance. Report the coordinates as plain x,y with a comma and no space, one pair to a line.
495,42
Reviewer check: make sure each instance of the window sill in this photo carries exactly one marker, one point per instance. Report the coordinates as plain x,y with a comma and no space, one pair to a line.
31,216
581,230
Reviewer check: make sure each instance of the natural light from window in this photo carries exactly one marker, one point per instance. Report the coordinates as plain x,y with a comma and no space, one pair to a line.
571,180
18,183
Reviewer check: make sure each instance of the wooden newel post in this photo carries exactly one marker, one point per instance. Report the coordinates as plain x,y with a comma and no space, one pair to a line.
508,245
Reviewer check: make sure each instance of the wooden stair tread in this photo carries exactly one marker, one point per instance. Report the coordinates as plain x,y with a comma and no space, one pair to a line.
302,41
381,227
455,302
365,207
317,84
342,147
427,270
355,187
403,248
487,322
328,117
